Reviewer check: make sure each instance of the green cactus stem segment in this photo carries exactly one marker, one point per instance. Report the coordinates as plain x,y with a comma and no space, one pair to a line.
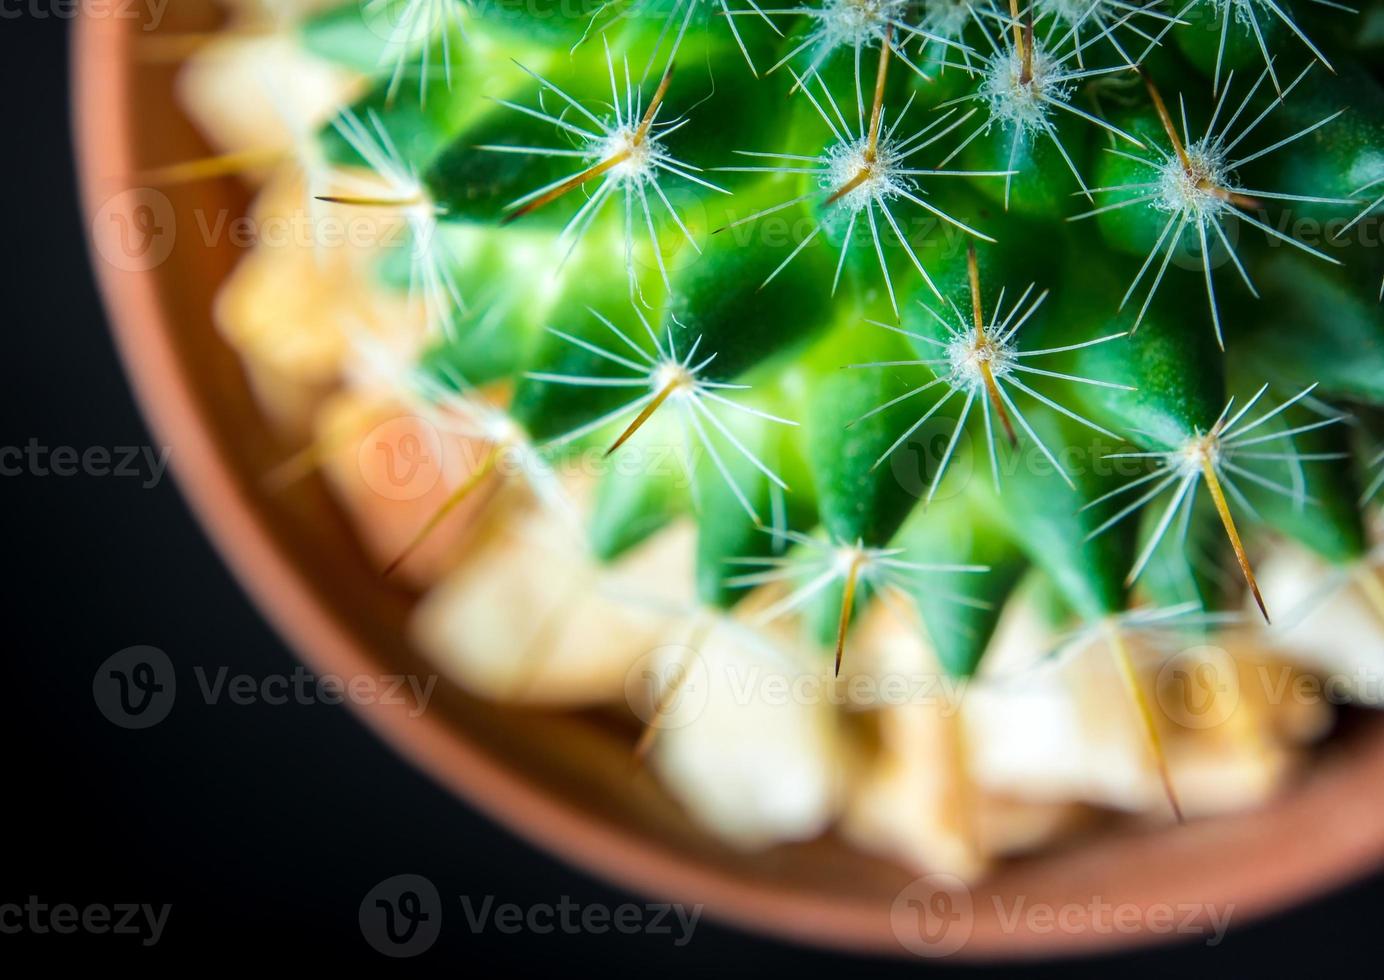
1032,103
632,145
1023,83
1210,458
862,173
1368,210
1194,184
1377,482
1243,11
981,362
669,374
821,565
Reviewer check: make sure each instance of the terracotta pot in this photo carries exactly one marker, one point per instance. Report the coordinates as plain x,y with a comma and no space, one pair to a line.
565,782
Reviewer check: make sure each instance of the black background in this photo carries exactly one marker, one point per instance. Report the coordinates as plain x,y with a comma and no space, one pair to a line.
265,826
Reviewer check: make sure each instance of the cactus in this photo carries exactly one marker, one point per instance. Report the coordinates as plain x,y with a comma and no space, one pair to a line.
932,296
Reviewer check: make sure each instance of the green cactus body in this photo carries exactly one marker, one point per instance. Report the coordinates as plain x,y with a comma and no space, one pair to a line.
833,261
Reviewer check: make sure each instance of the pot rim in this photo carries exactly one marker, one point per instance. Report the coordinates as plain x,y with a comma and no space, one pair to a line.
1228,862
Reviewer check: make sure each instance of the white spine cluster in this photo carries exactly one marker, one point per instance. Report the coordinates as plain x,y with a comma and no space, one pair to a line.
1194,182
1024,104
969,359
884,178
863,170
946,18
1215,458
1024,79
666,375
856,23
860,25
624,157
983,363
